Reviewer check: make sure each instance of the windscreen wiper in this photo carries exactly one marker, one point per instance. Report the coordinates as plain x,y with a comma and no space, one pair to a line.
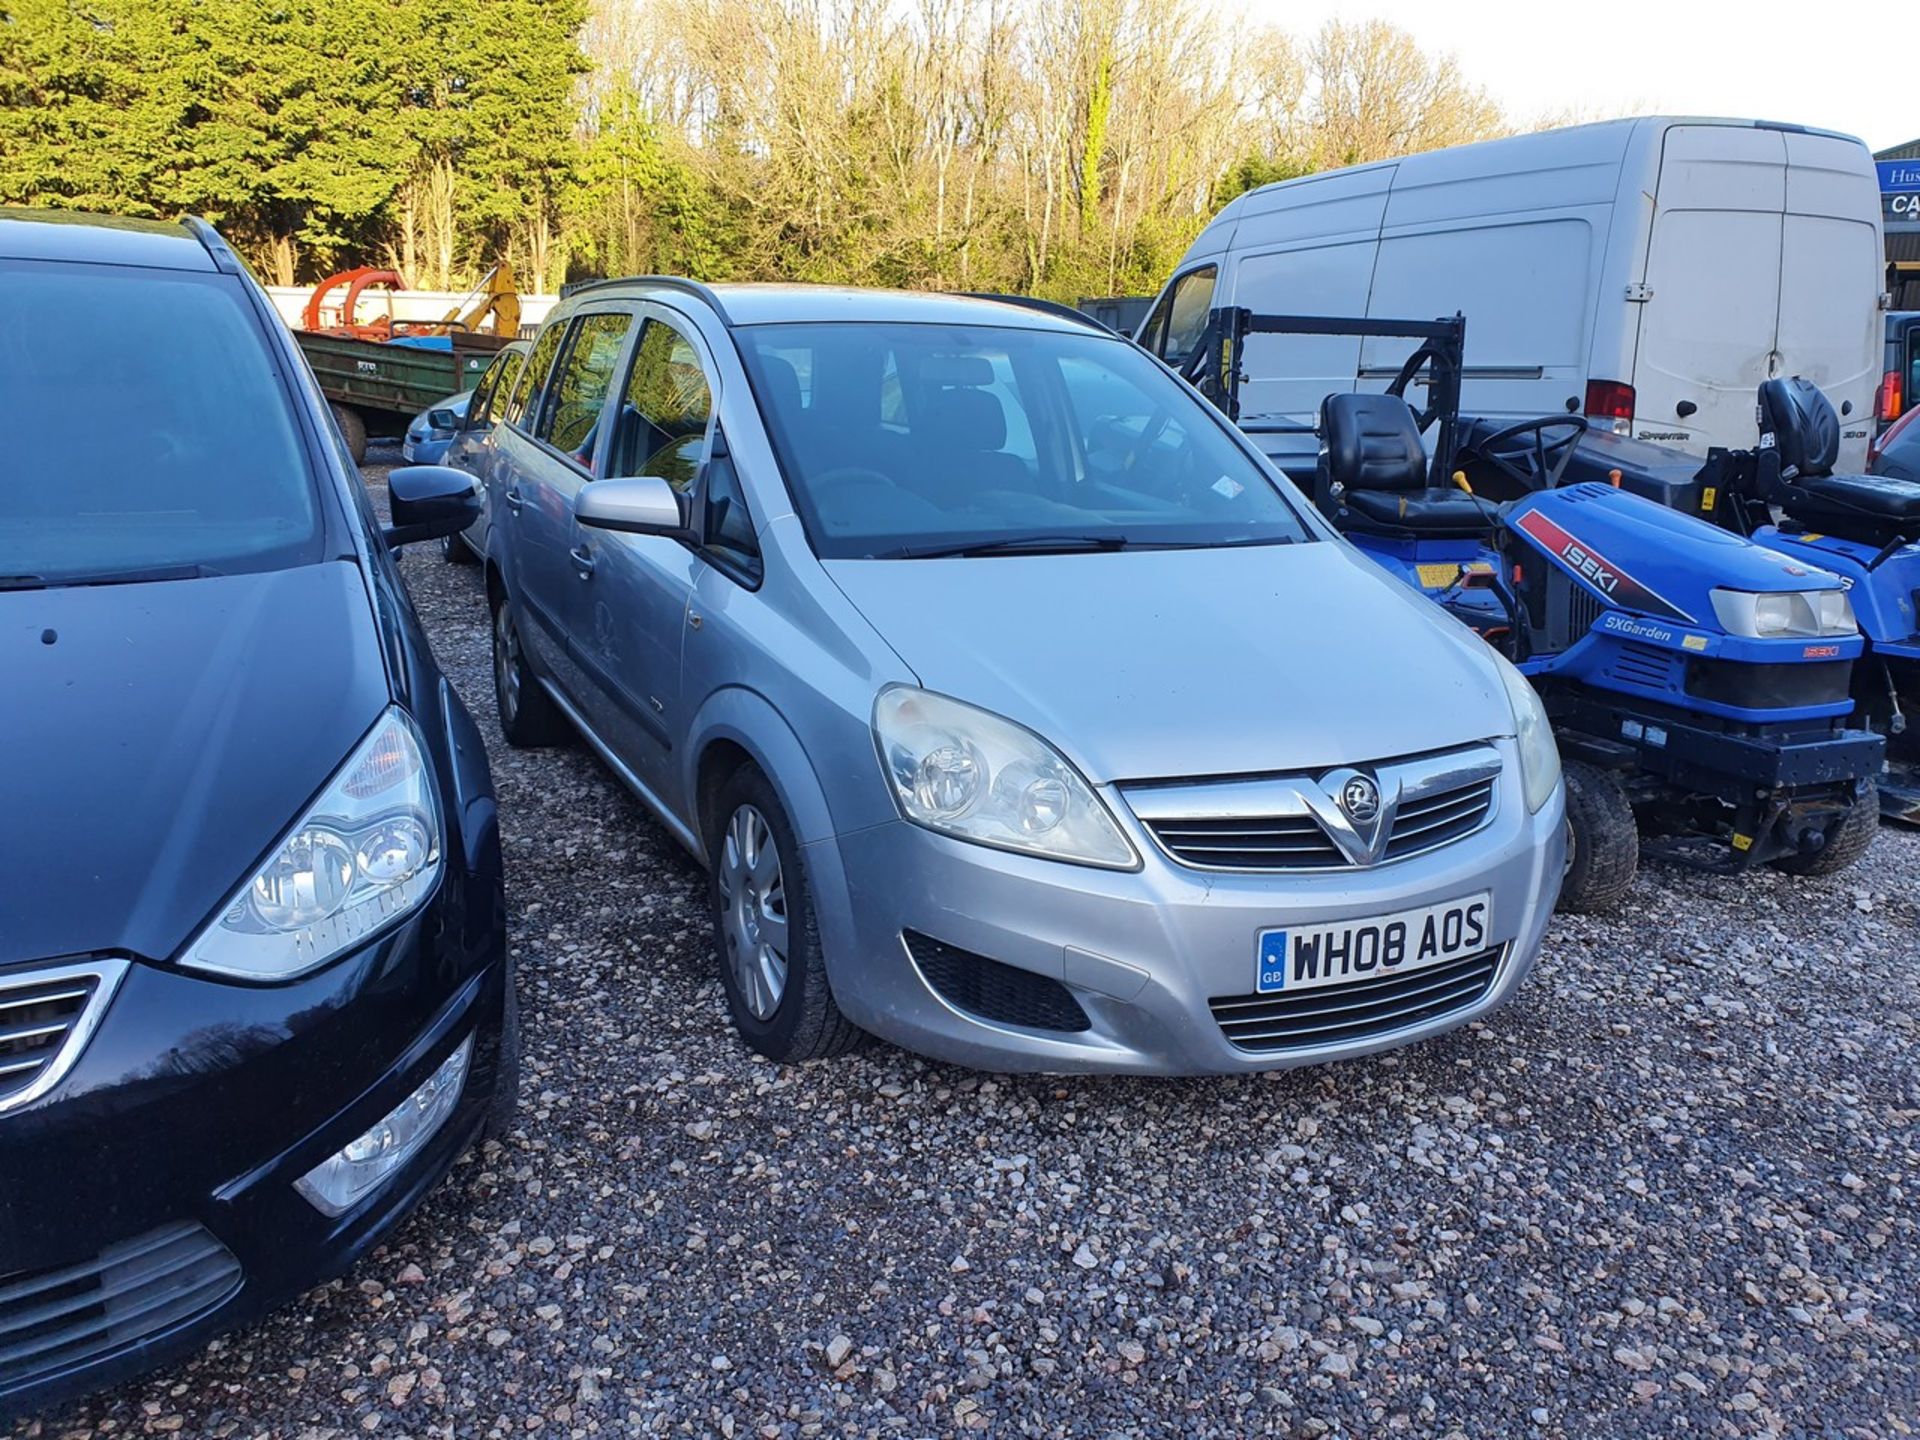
1013,545
109,577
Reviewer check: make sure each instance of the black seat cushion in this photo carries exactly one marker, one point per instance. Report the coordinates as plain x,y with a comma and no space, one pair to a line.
1423,512
1873,508
1372,443
1372,449
1804,428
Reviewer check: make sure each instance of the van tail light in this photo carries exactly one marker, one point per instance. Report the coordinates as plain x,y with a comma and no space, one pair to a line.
1888,402
1877,446
1610,406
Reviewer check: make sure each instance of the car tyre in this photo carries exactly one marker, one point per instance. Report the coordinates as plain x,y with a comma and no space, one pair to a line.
455,551
1603,842
504,1104
765,933
1846,842
528,717
353,430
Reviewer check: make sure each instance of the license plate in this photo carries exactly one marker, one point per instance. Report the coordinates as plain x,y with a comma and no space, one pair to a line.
1305,957
406,451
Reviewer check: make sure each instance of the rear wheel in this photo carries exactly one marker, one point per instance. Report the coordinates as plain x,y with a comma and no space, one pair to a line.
1603,842
528,717
1847,841
764,930
353,430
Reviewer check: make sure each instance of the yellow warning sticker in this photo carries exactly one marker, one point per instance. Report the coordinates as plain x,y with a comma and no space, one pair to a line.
1693,642
1707,497
1437,577
1742,842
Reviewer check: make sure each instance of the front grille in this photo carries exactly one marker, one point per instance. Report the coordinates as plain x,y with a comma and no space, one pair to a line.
1273,842
45,1018
1002,993
1274,824
1643,665
52,1320
1335,1014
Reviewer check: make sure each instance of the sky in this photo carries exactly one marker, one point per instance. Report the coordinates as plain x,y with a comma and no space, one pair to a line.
1822,65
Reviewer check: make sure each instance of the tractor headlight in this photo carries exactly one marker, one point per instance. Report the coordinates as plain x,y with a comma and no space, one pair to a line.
1533,733
974,776
1784,614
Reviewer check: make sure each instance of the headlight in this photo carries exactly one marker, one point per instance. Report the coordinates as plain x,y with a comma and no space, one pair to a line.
366,853
1784,614
1539,756
971,775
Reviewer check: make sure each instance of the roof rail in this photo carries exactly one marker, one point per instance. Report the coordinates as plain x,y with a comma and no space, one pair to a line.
1060,310
694,288
217,249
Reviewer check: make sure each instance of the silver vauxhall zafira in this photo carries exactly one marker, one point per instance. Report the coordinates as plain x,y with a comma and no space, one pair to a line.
1021,712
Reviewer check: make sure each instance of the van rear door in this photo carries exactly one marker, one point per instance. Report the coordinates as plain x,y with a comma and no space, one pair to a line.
1712,282
1763,261
1830,282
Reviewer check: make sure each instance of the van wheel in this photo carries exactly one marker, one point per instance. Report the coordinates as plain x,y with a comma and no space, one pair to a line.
352,429
764,933
1603,842
1847,841
528,717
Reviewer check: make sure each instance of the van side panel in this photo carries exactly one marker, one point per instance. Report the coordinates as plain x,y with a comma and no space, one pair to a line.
1305,248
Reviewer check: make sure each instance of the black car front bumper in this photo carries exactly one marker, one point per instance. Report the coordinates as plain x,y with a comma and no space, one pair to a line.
147,1201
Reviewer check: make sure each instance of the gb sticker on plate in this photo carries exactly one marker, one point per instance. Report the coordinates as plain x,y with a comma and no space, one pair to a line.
1273,961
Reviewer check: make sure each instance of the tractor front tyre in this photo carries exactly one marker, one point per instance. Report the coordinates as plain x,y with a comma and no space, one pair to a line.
1603,842
1847,841
353,430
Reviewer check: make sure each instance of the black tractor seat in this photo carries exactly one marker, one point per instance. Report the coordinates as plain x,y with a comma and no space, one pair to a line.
1872,509
1373,474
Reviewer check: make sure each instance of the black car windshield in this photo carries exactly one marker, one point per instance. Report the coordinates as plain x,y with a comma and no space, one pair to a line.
909,440
145,430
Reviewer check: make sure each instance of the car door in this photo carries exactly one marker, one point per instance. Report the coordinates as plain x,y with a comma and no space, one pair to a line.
557,446
469,450
660,424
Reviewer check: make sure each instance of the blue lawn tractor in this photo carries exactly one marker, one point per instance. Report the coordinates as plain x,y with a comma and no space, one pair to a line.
1682,709
1863,528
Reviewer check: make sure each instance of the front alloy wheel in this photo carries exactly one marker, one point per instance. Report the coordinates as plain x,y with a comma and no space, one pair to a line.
753,896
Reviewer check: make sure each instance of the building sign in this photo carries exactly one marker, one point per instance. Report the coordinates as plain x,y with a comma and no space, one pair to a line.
1899,190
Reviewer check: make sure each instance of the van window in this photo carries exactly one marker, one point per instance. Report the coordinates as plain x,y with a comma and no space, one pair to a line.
728,526
580,386
1187,312
663,420
538,364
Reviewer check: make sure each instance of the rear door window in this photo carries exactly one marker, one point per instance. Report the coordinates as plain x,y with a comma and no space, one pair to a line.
582,378
538,363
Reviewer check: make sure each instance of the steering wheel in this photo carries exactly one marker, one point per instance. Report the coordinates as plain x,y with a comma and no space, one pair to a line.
1546,460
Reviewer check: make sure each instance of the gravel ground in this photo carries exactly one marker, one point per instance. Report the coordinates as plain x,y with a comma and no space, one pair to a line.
1669,1191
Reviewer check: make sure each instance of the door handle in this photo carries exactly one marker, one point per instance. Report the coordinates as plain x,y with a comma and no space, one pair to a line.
514,499
582,561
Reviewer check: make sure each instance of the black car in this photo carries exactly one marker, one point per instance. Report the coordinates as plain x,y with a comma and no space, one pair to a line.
254,991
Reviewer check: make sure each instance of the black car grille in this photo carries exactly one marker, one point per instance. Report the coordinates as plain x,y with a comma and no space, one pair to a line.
52,1320
1336,1014
37,1018
1003,993
1296,842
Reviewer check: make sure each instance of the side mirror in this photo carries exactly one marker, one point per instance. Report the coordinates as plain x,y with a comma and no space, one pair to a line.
444,420
642,505
429,502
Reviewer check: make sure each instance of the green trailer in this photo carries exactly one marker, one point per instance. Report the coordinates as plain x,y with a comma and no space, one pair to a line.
377,388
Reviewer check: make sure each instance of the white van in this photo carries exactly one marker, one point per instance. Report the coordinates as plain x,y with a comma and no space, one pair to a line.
1649,273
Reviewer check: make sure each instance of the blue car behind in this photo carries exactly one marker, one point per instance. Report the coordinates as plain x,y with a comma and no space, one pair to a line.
434,429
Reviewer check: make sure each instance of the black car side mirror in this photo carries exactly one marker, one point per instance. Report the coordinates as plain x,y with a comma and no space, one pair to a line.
429,502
